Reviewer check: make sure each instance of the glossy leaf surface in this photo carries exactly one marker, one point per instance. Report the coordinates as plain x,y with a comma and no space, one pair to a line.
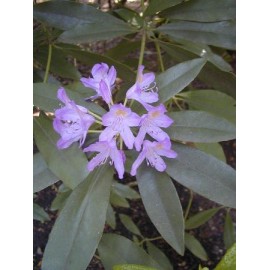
204,174
76,234
163,206
195,247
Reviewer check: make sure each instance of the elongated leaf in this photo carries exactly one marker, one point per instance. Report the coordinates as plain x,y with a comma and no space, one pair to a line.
129,224
45,97
125,191
89,58
195,247
203,174
89,32
39,213
42,176
67,15
201,218
229,232
69,165
159,5
110,217
163,206
213,102
158,256
213,77
115,249
214,149
195,126
228,262
60,200
130,16
59,64
176,78
132,267
78,229
220,34
117,200
202,11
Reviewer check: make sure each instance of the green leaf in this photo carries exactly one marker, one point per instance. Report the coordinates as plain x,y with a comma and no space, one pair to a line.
39,213
129,224
158,256
204,174
229,232
212,101
123,49
42,176
195,247
214,149
219,34
115,249
89,32
163,206
228,262
78,229
176,78
130,16
60,200
89,58
59,64
69,165
200,218
110,217
195,126
202,11
213,77
125,191
117,200
67,15
132,267
159,5
45,97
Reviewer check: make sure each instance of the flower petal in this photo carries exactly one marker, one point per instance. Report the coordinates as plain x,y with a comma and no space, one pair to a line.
62,95
157,133
127,137
133,120
139,139
112,75
97,160
163,121
91,83
118,161
137,163
100,146
148,78
107,134
105,92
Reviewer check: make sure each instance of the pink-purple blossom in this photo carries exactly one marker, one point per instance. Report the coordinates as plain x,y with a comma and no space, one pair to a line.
118,121
143,89
106,149
71,121
151,124
151,152
102,82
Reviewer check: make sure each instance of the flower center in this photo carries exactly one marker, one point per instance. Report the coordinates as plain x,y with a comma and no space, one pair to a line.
155,114
121,113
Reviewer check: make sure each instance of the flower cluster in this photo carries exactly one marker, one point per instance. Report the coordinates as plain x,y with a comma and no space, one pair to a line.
72,122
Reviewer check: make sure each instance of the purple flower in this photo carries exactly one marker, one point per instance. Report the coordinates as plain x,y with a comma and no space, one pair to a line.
102,82
106,149
118,121
142,91
151,123
151,152
71,122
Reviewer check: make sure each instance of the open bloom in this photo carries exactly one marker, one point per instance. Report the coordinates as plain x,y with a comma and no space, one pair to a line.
106,149
151,152
151,123
71,122
118,121
102,82
143,89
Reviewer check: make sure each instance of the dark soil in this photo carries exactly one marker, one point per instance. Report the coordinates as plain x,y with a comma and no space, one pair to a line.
210,234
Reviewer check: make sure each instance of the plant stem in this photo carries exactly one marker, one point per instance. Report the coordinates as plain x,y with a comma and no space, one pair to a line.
98,122
94,131
150,239
189,204
48,64
159,56
97,257
142,50
95,115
